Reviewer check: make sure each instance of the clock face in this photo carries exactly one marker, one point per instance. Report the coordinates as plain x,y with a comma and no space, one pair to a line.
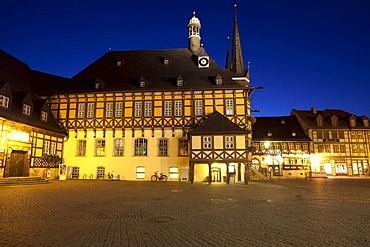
203,61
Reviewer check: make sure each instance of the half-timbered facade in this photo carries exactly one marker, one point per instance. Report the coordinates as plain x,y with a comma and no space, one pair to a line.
130,112
280,148
340,141
31,141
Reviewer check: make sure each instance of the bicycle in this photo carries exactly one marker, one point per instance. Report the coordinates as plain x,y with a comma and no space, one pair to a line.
160,177
110,176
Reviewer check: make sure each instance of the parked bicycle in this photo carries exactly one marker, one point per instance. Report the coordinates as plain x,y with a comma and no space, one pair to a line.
110,176
158,177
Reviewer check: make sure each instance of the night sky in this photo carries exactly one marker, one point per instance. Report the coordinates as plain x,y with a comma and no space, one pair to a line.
304,53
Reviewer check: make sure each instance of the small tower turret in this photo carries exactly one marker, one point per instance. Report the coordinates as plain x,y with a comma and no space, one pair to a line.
194,34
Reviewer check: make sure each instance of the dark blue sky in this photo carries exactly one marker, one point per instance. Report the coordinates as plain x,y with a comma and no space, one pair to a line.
303,52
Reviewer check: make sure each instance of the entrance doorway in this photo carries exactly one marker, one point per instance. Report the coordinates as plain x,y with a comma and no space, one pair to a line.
17,165
216,175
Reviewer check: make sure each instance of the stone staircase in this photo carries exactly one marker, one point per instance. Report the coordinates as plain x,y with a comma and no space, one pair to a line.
11,181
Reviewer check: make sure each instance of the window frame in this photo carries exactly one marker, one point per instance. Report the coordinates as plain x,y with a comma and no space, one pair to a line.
198,107
141,147
4,101
183,150
229,107
100,146
119,150
163,147
109,109
207,142
26,109
44,116
229,142
81,149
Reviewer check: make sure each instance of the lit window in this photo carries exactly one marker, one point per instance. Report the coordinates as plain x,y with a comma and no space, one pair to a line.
198,107
229,107
353,122
298,146
183,147
163,147
4,101
366,123
218,80
147,109
335,148
26,109
81,148
305,146
178,108
320,148
109,109
342,148
53,148
138,108
46,147
81,110
180,81
174,172
140,172
119,109
118,147
207,142
90,110
284,146
99,147
167,108
229,142
44,116
141,146
291,146
327,148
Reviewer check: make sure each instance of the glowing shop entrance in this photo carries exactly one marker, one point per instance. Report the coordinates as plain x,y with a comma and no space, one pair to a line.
216,175
17,166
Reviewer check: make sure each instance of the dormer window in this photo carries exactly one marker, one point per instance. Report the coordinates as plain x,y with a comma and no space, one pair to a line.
119,62
366,123
319,121
218,80
165,60
269,133
352,121
98,83
282,121
334,121
44,116
4,101
26,109
143,82
294,133
179,81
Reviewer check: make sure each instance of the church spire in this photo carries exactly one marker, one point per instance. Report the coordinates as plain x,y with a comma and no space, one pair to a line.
228,64
237,55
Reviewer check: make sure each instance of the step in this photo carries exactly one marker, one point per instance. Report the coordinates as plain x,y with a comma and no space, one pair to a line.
23,181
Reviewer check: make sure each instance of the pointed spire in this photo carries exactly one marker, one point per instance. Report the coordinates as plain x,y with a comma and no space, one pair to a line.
237,55
228,64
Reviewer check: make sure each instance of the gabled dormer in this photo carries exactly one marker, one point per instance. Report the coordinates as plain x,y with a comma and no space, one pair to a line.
334,121
365,121
179,81
27,105
44,114
99,83
218,80
319,121
352,121
143,82
5,95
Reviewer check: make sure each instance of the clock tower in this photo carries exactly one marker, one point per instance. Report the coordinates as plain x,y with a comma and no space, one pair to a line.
194,34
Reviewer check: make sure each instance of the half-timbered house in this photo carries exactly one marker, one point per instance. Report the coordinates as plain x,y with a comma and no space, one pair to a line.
130,112
31,141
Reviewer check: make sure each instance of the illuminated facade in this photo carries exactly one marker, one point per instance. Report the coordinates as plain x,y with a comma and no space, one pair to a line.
31,141
340,141
280,148
131,112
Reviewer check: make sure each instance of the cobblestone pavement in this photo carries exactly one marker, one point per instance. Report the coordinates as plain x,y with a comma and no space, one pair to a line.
317,212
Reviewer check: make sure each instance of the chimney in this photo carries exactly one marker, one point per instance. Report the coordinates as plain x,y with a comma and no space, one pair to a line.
314,111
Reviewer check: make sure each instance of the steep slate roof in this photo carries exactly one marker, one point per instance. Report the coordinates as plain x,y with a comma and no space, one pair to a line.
22,80
148,64
309,117
217,123
280,127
